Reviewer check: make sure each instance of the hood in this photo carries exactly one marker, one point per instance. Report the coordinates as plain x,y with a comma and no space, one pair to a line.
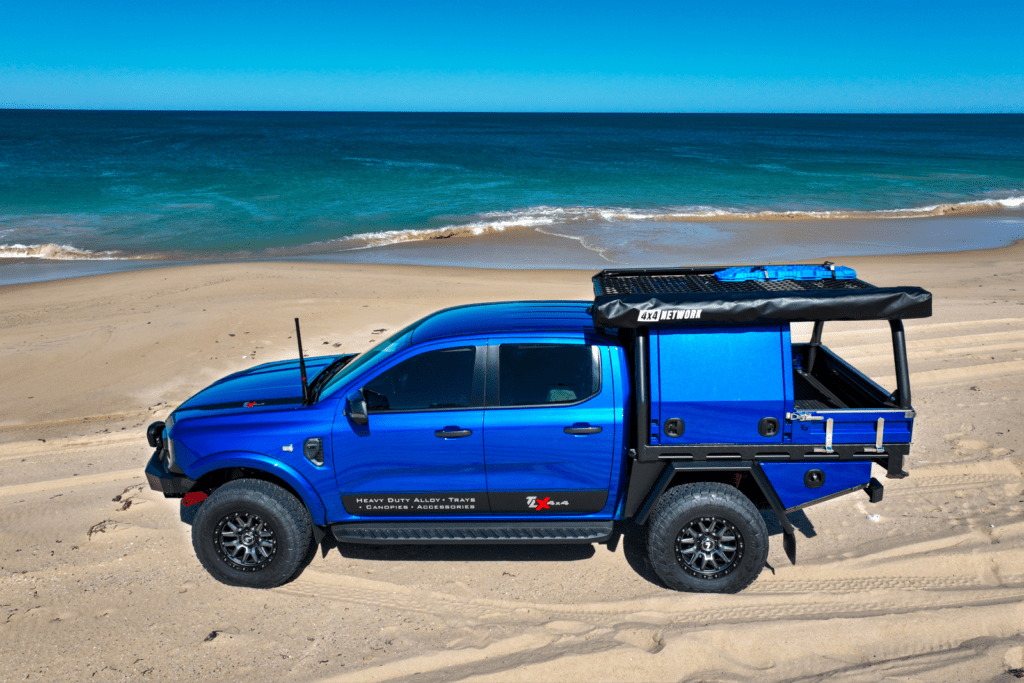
268,384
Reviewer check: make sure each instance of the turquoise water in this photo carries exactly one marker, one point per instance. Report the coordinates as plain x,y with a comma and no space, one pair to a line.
622,187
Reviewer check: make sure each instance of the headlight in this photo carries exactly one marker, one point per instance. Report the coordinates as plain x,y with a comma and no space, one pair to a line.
168,441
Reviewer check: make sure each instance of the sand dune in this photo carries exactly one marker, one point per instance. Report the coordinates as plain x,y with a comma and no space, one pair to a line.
98,580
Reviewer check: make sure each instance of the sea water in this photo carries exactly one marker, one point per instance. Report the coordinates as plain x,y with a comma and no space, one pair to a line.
622,189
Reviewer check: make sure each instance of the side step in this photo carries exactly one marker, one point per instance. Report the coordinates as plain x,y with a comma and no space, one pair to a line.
561,531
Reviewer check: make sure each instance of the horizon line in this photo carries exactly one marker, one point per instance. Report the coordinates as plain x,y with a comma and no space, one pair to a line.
483,111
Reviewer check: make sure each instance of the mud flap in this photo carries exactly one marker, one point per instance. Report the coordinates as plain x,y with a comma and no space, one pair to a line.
895,465
788,532
789,545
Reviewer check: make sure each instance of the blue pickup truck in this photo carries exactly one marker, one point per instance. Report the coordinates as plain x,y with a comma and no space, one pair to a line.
673,405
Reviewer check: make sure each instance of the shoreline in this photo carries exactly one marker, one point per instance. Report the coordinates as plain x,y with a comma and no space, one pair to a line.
495,252
644,244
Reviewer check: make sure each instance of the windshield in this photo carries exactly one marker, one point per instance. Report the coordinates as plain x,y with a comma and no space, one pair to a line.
382,351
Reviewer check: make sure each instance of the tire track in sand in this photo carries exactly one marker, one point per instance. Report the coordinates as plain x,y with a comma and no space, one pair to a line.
58,447
634,628
71,482
764,601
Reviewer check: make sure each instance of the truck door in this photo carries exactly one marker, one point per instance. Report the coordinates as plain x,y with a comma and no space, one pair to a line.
421,451
549,427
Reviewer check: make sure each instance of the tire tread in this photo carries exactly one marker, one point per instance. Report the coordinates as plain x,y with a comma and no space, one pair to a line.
295,536
661,534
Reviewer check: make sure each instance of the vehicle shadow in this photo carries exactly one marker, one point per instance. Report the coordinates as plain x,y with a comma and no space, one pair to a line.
634,549
631,536
626,533
799,519
187,513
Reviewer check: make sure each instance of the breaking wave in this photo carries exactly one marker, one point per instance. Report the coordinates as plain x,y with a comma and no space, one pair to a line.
58,252
541,216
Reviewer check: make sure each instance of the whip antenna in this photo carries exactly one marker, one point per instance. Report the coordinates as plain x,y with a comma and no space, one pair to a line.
302,366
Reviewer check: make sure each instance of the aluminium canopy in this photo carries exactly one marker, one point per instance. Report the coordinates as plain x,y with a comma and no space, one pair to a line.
681,296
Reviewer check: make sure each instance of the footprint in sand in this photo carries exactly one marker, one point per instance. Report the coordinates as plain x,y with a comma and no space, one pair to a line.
1014,658
972,444
645,639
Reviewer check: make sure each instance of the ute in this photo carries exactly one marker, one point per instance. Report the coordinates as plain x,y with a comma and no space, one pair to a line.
674,405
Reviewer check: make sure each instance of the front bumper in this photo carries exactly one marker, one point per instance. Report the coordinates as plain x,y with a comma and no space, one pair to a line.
170,484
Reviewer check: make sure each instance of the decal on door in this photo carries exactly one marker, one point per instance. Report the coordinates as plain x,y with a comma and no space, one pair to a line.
473,503
416,504
548,502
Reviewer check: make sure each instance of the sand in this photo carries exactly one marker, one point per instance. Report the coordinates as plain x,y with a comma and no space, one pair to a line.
98,580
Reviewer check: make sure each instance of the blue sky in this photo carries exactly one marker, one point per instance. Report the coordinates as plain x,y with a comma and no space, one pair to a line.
515,56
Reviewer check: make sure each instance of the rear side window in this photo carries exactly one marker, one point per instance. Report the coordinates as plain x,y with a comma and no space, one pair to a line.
433,380
541,374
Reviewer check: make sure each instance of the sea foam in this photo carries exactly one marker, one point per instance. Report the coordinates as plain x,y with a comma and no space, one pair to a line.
57,252
540,218
552,216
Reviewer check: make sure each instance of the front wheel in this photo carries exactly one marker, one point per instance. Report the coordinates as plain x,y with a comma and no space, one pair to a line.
707,537
252,533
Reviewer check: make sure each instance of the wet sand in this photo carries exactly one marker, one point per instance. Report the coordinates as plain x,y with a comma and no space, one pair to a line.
591,244
98,580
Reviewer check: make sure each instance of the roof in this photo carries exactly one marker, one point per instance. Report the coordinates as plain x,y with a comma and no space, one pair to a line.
507,317
681,296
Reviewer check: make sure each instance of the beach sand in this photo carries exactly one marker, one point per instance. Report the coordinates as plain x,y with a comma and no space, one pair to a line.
98,580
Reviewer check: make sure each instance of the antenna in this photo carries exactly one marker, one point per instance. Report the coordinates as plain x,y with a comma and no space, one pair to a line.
302,366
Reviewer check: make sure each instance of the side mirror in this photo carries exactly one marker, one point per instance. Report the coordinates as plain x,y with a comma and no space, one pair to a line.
355,408
374,400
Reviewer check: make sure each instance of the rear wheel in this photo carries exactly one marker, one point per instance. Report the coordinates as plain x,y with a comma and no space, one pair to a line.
707,537
252,533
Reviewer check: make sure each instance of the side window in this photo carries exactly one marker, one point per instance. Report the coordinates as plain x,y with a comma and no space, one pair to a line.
539,374
431,380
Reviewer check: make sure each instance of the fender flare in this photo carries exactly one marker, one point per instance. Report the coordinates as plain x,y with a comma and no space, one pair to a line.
264,463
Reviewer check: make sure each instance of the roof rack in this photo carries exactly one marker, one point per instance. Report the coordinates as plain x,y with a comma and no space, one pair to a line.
692,280
680,296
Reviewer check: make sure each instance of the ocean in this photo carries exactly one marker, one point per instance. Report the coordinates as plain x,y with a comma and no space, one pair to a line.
93,191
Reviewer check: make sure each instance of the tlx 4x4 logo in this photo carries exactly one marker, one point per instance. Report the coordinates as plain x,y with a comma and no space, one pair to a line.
538,504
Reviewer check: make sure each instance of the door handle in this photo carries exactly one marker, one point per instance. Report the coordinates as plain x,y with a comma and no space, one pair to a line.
452,433
582,428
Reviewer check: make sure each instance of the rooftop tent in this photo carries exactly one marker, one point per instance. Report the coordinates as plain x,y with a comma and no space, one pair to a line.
680,296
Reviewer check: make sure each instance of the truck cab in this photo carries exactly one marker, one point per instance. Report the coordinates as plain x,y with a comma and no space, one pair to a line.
648,410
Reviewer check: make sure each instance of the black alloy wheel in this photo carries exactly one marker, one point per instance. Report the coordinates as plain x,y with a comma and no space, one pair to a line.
709,547
245,542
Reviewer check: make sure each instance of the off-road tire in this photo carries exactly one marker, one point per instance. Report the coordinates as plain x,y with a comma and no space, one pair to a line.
688,539
252,533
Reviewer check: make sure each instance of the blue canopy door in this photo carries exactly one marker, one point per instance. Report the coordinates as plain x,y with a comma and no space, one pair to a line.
720,384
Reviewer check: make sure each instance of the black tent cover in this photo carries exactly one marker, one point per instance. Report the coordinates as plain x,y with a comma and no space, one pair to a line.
618,303
880,303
